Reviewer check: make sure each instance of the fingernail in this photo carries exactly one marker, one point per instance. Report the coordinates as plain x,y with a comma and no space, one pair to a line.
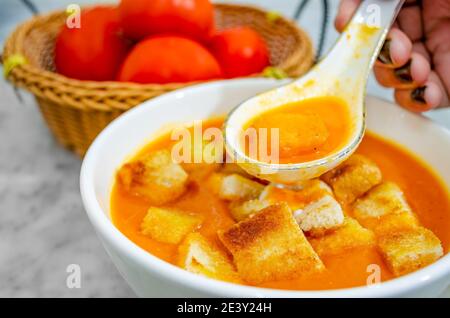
385,54
404,73
418,94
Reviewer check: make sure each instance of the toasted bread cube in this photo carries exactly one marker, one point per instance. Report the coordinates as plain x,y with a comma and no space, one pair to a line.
348,236
270,246
202,162
321,215
201,168
353,178
311,191
314,207
154,177
384,209
236,187
409,250
242,210
391,223
200,154
200,256
385,198
234,168
199,173
168,225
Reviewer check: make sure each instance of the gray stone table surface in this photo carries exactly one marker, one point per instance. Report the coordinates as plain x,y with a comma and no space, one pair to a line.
43,227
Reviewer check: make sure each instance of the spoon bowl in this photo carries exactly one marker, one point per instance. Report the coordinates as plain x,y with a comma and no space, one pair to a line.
343,73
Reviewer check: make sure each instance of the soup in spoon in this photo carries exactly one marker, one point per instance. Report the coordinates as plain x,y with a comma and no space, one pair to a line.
299,132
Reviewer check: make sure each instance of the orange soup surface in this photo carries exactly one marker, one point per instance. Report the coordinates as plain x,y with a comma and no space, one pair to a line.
307,130
424,191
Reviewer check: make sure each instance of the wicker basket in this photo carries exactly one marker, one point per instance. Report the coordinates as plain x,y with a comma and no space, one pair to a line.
76,111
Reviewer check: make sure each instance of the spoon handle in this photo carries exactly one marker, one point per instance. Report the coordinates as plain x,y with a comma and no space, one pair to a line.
359,45
380,14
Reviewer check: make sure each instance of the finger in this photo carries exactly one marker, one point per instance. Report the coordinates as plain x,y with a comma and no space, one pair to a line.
429,96
410,20
411,75
396,51
419,47
437,80
345,12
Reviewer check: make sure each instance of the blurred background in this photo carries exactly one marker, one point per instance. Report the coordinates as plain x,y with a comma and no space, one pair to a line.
43,227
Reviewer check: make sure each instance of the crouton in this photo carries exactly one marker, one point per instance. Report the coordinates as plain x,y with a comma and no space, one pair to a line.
270,246
199,173
236,187
168,225
348,236
385,198
384,209
200,154
155,177
319,216
353,178
311,191
214,182
234,168
242,210
409,250
202,162
201,168
198,255
391,223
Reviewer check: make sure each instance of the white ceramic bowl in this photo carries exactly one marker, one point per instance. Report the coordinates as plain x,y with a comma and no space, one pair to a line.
152,277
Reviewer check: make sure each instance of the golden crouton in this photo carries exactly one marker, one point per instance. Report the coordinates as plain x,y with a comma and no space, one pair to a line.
201,168
270,246
348,236
353,178
390,223
154,177
311,191
409,250
169,226
200,154
202,162
214,182
385,198
200,256
236,187
234,168
321,215
242,210
384,209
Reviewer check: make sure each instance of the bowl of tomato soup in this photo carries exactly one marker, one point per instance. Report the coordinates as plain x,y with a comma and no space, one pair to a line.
205,228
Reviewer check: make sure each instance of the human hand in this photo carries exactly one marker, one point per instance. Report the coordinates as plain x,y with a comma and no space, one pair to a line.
415,59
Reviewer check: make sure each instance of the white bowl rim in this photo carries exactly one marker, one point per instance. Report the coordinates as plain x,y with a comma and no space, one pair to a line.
109,232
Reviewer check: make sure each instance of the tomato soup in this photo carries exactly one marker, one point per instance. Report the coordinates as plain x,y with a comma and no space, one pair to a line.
307,130
424,192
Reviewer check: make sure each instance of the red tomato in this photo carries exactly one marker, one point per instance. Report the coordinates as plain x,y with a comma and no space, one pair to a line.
191,18
240,51
94,51
169,59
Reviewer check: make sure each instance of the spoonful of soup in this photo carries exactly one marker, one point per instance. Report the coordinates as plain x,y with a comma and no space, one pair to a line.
303,129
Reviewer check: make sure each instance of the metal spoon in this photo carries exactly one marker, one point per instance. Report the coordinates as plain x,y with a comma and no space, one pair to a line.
342,73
